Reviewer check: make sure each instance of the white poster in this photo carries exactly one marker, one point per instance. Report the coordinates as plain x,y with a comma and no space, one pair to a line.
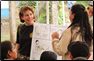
42,41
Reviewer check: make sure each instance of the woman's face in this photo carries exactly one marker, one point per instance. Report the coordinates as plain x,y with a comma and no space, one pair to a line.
71,16
28,17
13,53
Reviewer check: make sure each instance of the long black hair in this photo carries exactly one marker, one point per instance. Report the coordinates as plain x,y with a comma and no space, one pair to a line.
5,47
81,20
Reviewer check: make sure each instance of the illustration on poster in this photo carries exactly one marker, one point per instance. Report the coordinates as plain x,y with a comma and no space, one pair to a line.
42,41
40,47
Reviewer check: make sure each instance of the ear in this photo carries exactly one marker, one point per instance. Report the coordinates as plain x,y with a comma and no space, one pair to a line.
71,56
73,15
22,18
9,53
89,55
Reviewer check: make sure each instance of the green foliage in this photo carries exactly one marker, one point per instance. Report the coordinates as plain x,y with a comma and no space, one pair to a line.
29,3
42,17
5,37
85,3
60,13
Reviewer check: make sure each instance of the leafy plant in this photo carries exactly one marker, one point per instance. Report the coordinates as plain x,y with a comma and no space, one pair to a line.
42,17
85,3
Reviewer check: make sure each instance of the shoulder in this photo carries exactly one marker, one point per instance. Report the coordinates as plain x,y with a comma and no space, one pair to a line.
20,26
68,30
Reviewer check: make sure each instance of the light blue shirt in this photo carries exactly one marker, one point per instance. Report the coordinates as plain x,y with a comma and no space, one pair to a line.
70,3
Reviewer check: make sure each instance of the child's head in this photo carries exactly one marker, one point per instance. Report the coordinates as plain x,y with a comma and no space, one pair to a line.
48,55
8,51
22,13
78,49
80,58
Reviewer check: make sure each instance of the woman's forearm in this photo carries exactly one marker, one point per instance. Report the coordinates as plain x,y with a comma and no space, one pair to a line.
17,47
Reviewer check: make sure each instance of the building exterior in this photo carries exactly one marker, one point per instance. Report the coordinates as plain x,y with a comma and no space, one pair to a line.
4,9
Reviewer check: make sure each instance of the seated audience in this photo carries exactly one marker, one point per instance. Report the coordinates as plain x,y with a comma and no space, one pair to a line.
48,55
78,50
8,52
80,58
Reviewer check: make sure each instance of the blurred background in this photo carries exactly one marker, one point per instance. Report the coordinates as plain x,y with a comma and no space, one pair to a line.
5,25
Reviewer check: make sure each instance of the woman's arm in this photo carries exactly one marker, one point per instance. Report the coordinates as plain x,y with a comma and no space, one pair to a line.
60,46
17,41
17,47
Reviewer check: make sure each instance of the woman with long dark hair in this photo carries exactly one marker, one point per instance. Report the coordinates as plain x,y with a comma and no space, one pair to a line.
79,29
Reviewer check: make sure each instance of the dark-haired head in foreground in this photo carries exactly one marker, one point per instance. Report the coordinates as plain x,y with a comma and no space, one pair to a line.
79,49
48,55
8,52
